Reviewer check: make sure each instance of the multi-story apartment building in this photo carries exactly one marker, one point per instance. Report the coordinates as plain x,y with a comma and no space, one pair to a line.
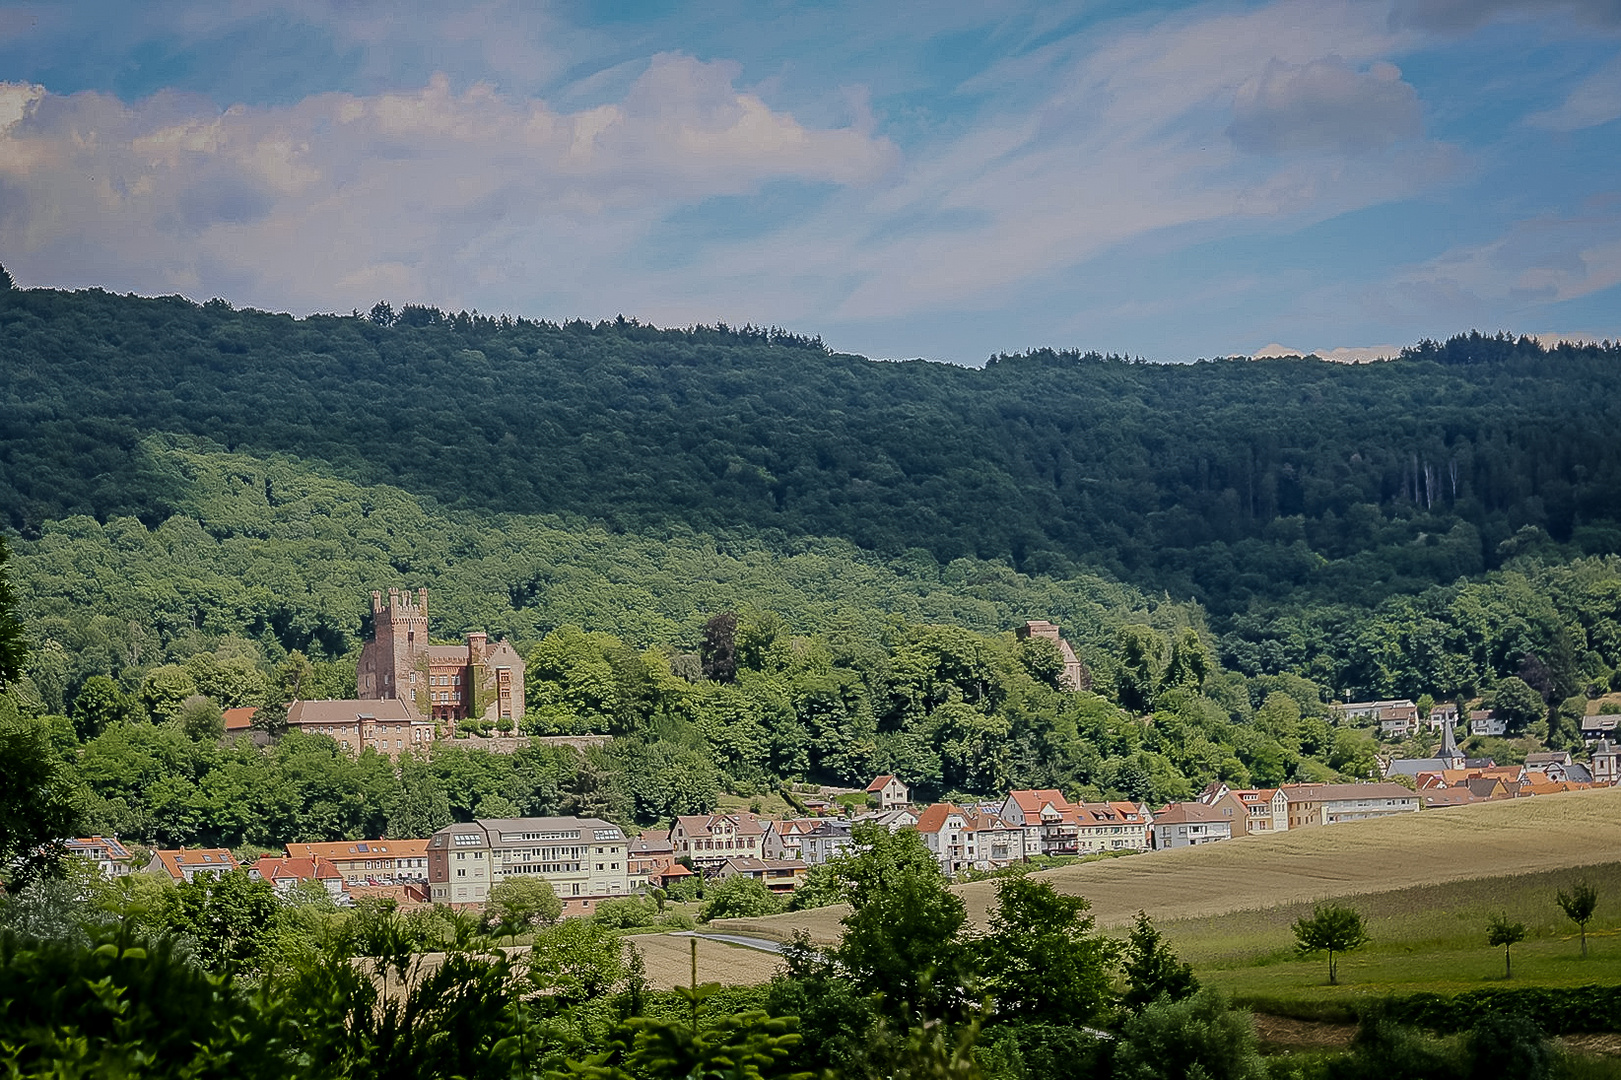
1329,804
585,859
1111,826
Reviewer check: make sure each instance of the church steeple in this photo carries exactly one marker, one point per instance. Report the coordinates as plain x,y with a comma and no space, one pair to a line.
1449,751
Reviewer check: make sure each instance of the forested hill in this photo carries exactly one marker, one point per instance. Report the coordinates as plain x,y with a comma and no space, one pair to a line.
1229,481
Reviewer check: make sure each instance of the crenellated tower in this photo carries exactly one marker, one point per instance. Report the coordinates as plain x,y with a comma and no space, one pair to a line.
392,664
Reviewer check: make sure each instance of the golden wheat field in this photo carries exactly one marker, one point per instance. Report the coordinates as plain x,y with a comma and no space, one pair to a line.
1516,836
669,961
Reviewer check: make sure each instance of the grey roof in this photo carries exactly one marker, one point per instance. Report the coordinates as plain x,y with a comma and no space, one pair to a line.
1449,742
1326,792
348,711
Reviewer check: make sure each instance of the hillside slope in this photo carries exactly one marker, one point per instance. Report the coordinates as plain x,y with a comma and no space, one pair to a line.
1486,840
1226,481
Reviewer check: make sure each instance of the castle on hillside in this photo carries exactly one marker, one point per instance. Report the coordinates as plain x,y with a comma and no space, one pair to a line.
442,682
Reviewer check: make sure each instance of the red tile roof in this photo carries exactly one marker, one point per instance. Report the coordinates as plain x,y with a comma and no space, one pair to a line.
934,818
880,783
239,719
177,861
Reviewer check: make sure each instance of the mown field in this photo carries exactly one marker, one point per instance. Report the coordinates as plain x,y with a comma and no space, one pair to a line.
1426,881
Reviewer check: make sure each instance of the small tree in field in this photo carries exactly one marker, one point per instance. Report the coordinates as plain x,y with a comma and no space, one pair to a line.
1499,931
1332,928
1578,904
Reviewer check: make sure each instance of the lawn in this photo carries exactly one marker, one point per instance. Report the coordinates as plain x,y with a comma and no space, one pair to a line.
1425,938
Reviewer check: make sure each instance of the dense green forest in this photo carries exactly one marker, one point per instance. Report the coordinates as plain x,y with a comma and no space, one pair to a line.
844,664
1236,483
200,517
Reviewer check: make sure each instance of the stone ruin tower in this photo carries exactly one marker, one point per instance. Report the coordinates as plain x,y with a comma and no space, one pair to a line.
1075,676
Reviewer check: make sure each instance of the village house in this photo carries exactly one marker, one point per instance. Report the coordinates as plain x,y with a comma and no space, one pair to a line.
111,858
1330,804
284,874
1047,818
1537,784
892,820
1189,824
783,838
827,841
1111,826
778,875
1443,797
1486,722
186,864
649,855
707,840
362,862
1601,726
585,859
888,793
942,827
1558,766
1376,710
1442,714
991,843
1260,810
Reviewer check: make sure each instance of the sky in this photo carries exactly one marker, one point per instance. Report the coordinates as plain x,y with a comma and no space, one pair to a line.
941,180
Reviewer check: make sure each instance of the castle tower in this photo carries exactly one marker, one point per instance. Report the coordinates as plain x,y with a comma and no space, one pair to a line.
393,663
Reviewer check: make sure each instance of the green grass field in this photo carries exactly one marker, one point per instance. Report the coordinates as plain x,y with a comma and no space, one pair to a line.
1428,938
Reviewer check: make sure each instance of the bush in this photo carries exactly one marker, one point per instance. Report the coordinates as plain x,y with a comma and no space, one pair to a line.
740,897
1561,1011
1043,1051
1507,1044
1384,1050
1199,1038
627,913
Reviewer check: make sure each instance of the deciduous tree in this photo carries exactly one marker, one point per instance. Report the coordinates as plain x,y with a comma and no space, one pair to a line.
1042,959
1578,905
1500,930
1332,928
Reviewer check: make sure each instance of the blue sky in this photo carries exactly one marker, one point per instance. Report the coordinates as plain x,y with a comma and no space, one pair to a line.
939,180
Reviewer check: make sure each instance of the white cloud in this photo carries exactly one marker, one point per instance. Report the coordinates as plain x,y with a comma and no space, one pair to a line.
1458,16
1536,262
1324,105
487,195
1357,354
323,203
1128,144
1595,100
